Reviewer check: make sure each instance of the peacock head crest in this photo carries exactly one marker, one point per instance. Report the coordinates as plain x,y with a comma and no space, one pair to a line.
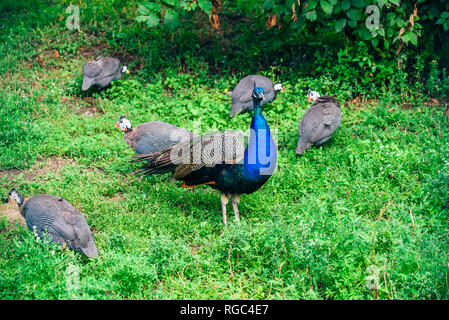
258,93
124,124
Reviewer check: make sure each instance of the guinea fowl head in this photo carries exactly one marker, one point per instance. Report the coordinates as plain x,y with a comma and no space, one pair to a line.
124,69
279,87
16,196
312,95
258,94
124,124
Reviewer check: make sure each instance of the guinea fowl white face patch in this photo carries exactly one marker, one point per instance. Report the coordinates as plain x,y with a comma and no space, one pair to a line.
279,87
312,95
125,124
14,195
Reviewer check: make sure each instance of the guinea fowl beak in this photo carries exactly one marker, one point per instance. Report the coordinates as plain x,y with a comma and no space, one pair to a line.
116,124
309,99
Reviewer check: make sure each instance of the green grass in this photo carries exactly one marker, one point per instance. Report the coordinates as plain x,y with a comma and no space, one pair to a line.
376,194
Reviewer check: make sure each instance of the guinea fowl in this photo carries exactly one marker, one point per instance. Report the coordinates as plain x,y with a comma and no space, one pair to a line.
154,136
101,72
241,95
222,160
318,123
59,219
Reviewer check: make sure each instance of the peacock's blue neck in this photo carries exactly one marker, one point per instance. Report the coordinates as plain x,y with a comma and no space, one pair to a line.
260,154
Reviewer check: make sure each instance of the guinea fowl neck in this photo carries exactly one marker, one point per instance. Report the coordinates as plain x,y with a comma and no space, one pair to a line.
260,155
19,199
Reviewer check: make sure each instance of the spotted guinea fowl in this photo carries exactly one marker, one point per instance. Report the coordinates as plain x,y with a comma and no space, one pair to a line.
59,219
241,100
154,136
222,160
319,122
101,72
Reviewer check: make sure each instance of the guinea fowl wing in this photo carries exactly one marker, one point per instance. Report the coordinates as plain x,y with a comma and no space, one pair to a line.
43,214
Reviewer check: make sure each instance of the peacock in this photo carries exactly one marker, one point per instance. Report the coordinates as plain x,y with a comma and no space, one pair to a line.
225,161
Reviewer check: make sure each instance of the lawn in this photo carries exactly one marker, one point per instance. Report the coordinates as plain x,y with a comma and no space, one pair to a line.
372,203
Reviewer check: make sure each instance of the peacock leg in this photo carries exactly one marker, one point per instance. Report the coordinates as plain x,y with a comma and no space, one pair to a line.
224,202
235,206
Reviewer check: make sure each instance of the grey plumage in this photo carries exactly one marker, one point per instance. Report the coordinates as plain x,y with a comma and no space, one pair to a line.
60,220
318,123
154,136
101,72
242,93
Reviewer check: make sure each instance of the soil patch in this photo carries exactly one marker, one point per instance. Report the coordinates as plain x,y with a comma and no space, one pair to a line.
51,164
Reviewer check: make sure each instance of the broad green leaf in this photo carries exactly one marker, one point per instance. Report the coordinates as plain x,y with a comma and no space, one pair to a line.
333,2
445,14
142,10
311,15
141,18
311,5
170,2
153,20
354,14
152,6
410,37
352,23
381,3
358,3
205,5
340,24
171,18
374,42
267,5
326,6
345,4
